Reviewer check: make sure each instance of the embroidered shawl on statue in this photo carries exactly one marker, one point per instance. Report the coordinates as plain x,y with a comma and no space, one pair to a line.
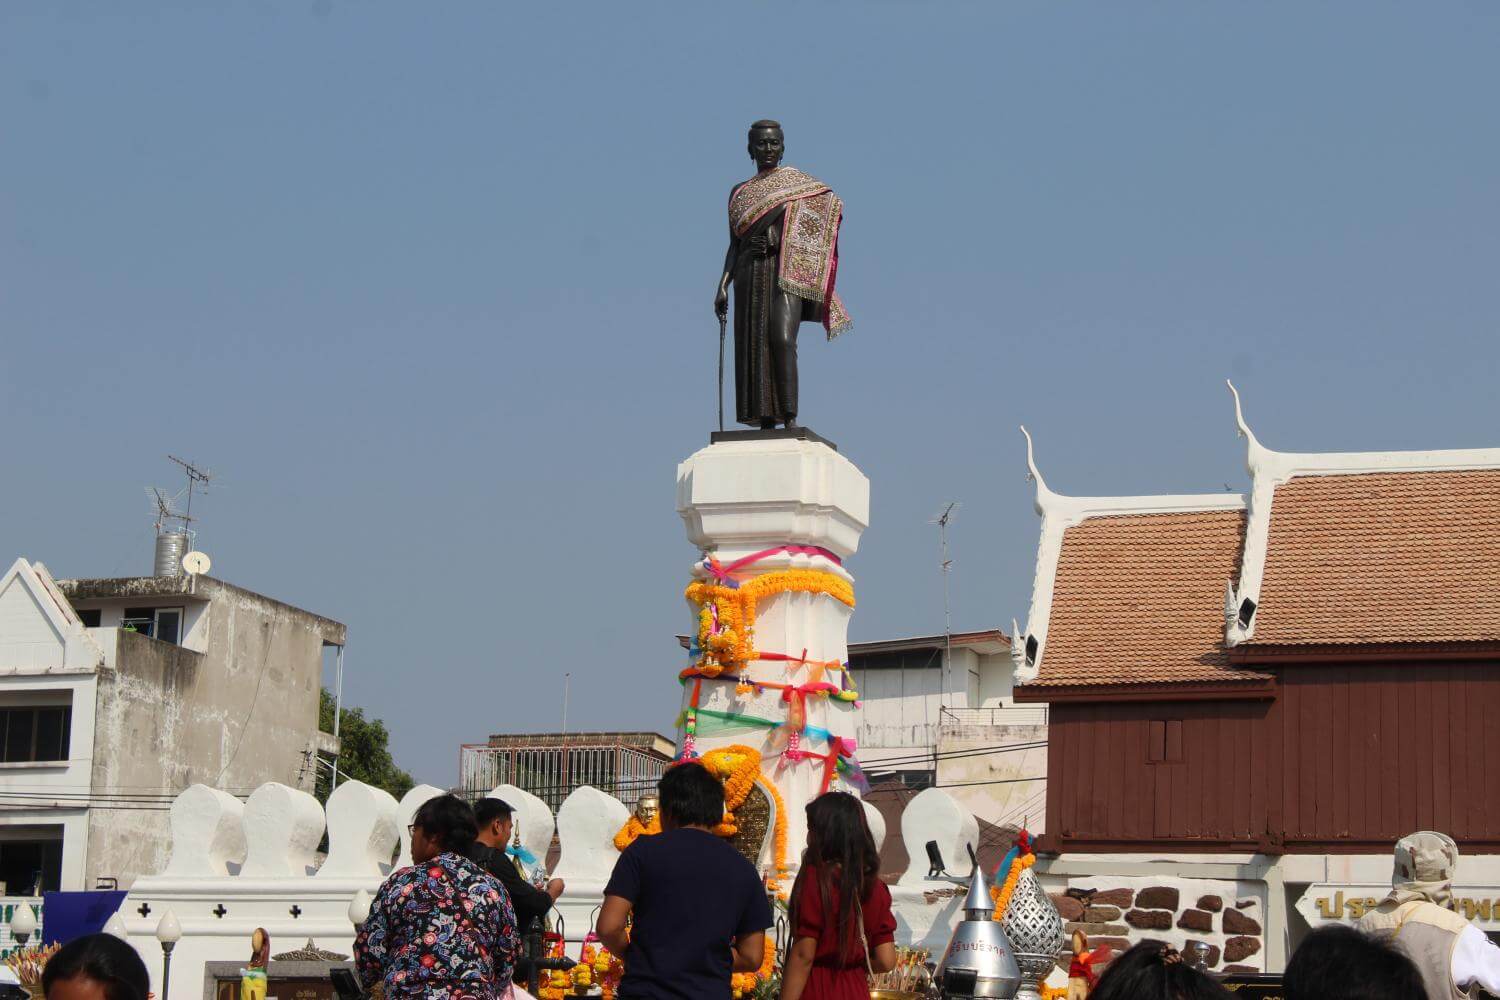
810,235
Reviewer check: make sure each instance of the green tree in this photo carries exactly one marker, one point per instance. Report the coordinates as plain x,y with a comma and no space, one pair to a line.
364,753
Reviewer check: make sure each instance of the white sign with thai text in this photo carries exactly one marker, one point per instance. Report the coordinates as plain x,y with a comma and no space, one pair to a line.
1324,903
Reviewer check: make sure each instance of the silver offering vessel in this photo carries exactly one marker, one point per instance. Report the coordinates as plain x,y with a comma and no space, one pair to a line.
979,961
1035,929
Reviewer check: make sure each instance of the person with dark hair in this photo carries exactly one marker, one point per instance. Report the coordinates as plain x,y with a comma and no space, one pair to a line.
96,967
442,927
843,927
1154,970
496,820
1341,963
700,911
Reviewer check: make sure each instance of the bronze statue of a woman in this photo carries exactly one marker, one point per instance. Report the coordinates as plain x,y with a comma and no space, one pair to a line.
783,258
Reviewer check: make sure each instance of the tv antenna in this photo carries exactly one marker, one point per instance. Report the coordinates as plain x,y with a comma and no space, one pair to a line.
167,514
942,521
196,477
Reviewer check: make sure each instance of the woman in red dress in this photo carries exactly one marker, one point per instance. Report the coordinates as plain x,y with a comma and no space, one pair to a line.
842,926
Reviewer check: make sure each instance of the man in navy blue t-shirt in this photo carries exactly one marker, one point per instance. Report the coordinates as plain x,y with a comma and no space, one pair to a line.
700,909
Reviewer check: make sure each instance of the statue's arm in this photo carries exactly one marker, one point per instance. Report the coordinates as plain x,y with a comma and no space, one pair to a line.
721,296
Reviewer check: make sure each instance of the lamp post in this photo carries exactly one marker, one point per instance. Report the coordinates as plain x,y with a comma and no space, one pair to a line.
116,927
359,909
23,924
168,933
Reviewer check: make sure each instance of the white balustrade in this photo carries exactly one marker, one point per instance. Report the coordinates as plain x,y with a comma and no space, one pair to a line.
236,867
362,831
282,829
208,833
587,823
410,803
533,819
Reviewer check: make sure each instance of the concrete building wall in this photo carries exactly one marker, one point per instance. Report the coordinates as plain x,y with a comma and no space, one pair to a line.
241,713
964,718
1003,786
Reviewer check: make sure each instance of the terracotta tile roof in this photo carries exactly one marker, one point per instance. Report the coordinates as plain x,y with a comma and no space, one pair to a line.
1139,599
1383,557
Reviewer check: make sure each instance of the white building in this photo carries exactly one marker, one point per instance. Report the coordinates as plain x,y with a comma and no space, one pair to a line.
117,694
930,720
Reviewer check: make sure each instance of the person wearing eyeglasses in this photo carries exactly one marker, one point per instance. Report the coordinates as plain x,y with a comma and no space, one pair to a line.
443,928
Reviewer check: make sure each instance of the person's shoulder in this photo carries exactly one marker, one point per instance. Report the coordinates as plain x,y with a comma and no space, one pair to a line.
1438,916
464,868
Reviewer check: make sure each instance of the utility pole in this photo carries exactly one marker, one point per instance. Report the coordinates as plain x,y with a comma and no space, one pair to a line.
567,680
942,521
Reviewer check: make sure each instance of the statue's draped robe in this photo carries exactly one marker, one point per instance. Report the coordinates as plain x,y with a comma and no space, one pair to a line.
786,226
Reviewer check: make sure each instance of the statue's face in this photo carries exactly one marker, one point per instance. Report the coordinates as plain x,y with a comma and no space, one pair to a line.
767,146
646,808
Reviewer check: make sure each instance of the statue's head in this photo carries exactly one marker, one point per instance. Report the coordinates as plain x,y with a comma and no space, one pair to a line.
646,808
767,144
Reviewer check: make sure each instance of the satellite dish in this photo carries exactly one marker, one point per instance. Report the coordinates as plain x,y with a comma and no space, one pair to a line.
196,563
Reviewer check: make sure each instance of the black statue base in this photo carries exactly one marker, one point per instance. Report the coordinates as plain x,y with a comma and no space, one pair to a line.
778,434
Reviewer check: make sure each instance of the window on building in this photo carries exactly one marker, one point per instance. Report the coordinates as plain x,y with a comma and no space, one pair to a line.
159,623
1164,741
89,617
142,620
30,865
32,733
168,624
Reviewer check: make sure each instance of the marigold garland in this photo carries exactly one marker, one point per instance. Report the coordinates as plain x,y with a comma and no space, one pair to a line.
743,984
778,840
634,828
738,766
1002,895
726,615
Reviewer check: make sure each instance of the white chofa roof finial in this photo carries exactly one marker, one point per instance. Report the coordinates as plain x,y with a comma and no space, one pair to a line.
1034,475
1255,449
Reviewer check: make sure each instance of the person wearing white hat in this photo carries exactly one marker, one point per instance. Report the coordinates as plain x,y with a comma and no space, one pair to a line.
1451,953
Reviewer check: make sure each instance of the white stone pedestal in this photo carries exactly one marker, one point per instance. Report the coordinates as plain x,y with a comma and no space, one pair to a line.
741,497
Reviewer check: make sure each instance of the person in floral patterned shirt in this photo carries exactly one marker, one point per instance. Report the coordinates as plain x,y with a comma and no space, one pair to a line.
444,928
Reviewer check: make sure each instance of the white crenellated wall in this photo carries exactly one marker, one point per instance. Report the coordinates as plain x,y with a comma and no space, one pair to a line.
238,866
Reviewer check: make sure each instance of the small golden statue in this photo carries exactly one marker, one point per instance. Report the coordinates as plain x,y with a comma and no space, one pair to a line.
645,821
647,807
253,978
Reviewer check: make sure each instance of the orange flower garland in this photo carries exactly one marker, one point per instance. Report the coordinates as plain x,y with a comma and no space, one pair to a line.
634,828
1002,895
778,840
726,615
738,766
743,984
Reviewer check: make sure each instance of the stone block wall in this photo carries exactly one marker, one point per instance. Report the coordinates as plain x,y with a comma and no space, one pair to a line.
1121,912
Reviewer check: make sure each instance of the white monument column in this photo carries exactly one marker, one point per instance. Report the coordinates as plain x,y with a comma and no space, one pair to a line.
755,507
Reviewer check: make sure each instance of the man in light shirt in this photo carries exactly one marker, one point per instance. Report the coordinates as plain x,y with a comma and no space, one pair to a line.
1451,953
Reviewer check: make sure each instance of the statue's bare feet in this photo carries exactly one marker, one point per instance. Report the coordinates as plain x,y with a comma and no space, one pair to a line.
791,422
768,425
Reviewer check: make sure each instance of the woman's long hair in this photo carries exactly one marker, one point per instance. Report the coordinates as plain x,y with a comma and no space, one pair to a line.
841,849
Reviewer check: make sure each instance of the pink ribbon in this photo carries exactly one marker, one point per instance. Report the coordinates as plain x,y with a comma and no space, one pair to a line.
721,572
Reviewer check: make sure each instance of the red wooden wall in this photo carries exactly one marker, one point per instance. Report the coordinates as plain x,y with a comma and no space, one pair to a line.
1345,758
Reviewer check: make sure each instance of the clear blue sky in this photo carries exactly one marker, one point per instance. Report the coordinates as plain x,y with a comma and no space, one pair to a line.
430,285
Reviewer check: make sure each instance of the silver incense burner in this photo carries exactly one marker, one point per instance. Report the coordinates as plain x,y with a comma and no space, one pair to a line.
979,961
1035,930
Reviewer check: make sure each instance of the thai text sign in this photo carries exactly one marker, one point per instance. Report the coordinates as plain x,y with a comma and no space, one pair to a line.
1323,903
